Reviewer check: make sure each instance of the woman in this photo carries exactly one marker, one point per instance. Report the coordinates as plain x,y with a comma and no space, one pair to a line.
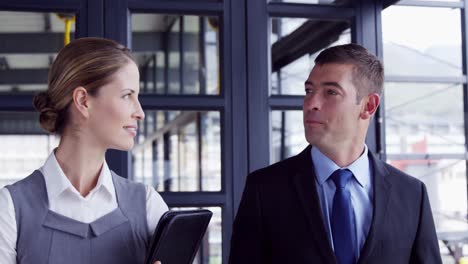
74,209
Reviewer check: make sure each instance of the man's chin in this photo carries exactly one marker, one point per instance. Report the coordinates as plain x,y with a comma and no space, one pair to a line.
314,139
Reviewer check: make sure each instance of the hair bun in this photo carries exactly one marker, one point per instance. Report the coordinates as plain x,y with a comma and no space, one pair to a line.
48,114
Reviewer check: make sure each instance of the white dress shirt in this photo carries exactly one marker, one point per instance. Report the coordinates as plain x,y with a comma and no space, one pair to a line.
64,199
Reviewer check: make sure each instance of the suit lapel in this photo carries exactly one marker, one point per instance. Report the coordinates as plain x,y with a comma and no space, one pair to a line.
304,182
382,192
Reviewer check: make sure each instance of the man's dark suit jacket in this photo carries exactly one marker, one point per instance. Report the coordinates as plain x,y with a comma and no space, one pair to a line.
280,220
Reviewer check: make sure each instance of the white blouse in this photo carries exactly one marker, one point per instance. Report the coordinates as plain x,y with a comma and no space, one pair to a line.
64,199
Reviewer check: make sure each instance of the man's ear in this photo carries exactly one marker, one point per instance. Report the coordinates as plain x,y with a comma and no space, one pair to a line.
81,101
371,103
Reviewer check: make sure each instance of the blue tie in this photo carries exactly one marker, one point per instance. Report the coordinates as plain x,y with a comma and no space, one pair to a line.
342,219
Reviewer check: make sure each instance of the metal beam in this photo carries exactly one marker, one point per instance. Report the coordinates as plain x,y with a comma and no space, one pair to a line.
425,79
23,76
31,42
234,119
309,38
16,102
45,42
175,7
40,6
286,102
90,22
464,36
181,102
424,3
427,156
339,13
23,102
258,83
39,76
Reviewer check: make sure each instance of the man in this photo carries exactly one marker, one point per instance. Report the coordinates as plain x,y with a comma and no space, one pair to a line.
336,202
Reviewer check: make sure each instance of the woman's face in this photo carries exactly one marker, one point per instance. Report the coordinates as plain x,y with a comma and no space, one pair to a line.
114,112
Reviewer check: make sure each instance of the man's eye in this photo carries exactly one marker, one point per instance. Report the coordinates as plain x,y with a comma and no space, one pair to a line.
126,96
332,92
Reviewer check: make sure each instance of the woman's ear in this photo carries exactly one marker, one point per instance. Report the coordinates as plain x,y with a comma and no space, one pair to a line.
81,101
371,104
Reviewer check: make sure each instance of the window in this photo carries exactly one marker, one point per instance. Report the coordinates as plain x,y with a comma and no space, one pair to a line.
424,111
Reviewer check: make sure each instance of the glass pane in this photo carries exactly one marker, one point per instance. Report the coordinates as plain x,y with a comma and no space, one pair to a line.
316,2
427,119
210,251
446,186
296,44
179,151
439,1
30,42
21,131
435,49
177,54
287,135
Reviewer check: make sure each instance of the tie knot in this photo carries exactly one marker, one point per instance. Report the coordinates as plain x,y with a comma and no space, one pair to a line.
341,177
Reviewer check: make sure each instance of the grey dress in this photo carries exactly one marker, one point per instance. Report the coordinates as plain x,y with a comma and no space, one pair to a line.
45,237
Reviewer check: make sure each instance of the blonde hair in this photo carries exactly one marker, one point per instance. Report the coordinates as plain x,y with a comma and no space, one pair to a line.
85,62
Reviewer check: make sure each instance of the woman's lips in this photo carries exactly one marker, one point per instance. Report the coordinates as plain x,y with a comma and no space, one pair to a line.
131,129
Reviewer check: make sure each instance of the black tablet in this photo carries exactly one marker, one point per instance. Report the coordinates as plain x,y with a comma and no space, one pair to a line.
177,236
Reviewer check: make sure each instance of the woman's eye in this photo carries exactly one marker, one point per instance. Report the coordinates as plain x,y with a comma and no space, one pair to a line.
126,96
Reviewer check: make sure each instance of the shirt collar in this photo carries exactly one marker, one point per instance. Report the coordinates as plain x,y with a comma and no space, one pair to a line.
105,180
324,167
56,181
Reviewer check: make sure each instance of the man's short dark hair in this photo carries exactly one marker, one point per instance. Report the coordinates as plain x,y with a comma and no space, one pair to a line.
368,72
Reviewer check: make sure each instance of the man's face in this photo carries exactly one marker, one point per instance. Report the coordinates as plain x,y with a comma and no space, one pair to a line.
331,113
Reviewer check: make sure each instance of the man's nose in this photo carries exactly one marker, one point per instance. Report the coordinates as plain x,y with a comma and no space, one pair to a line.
312,102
